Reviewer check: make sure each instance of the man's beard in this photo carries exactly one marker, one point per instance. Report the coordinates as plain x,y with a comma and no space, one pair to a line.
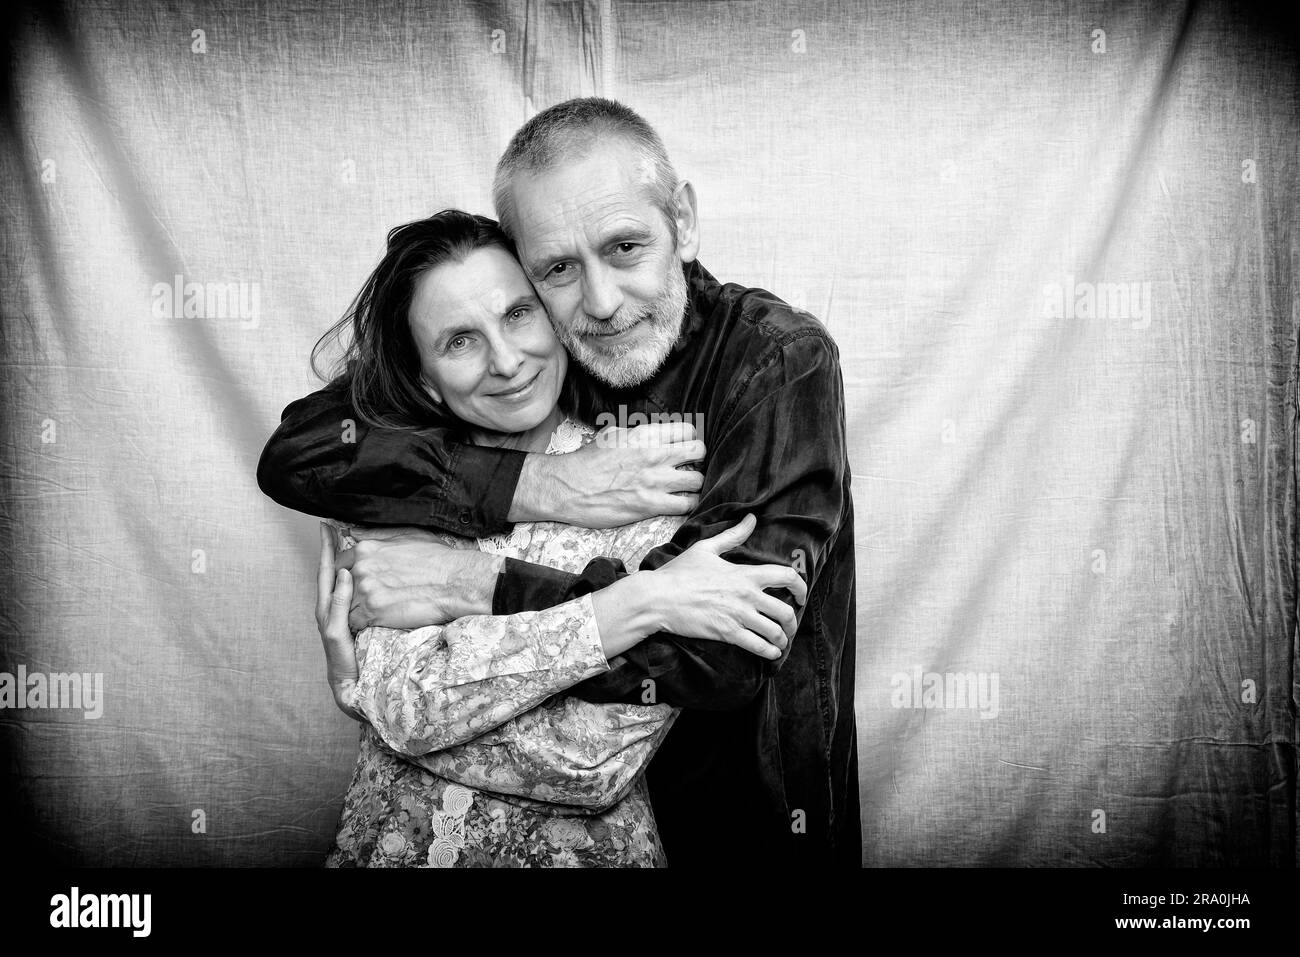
623,365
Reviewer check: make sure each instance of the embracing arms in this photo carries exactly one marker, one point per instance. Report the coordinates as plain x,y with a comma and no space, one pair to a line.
323,460
472,700
779,453
452,682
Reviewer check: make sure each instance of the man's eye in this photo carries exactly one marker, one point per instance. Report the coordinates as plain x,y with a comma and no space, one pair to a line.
625,247
558,271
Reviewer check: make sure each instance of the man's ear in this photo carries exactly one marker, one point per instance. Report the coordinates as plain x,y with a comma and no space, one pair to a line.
687,221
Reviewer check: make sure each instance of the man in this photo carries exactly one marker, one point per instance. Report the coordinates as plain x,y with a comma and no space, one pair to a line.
762,766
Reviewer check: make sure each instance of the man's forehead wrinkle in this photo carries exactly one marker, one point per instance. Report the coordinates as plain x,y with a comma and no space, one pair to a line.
590,199
584,180
592,217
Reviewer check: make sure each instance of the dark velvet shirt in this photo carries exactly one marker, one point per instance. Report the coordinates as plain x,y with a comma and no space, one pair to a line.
762,766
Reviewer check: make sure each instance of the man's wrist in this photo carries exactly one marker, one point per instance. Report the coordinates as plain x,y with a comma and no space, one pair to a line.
636,598
472,587
528,504
624,614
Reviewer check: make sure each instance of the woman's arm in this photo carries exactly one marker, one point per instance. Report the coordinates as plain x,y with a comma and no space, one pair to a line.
438,686
565,751
487,734
434,687
562,751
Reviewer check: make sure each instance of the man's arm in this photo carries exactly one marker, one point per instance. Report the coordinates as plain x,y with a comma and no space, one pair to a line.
325,461
780,454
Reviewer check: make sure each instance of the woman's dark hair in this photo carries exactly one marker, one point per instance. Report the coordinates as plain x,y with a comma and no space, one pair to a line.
380,366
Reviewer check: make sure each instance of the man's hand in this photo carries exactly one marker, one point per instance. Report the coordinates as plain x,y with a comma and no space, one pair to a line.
408,578
625,475
719,600
333,596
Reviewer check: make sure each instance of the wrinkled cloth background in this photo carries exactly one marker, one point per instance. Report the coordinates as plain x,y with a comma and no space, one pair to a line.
1095,511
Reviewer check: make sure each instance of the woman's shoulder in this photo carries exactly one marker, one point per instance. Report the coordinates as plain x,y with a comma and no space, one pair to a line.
569,436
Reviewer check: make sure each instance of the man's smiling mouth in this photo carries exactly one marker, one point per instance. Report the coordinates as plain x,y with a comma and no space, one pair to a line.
612,335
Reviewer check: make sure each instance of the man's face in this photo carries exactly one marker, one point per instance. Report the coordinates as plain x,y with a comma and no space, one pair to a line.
603,258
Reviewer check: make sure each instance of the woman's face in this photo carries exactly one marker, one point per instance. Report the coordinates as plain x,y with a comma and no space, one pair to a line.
486,346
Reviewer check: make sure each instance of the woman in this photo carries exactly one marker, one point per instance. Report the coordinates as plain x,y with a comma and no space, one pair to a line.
470,754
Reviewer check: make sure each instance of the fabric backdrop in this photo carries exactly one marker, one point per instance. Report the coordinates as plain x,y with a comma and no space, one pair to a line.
1056,244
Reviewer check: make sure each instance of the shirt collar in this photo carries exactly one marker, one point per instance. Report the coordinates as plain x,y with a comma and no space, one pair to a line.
701,295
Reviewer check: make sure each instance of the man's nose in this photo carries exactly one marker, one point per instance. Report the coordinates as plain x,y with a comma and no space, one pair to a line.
601,296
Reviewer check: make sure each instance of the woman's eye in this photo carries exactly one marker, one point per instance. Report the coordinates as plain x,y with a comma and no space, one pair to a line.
521,313
458,343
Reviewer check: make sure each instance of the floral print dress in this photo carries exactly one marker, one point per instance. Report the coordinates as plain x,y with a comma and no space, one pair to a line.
473,757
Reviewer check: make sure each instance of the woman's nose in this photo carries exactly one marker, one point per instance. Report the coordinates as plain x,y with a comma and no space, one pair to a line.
506,358
601,296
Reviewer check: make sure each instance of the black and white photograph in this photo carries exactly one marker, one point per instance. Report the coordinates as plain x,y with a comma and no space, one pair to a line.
789,447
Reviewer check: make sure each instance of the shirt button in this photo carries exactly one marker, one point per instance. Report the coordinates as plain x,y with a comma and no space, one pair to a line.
464,518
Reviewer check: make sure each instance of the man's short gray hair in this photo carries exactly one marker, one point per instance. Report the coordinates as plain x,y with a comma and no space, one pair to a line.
568,131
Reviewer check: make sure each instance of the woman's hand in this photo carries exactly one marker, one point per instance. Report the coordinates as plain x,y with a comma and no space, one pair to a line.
333,600
699,594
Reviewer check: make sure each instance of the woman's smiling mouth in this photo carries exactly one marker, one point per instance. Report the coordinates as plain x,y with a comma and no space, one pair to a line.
522,392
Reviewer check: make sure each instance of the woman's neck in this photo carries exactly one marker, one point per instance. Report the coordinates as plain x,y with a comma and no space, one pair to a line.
536,439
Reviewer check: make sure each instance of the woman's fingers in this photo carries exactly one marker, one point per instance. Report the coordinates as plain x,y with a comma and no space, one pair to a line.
334,632
340,603
340,652
345,558
333,600
324,575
